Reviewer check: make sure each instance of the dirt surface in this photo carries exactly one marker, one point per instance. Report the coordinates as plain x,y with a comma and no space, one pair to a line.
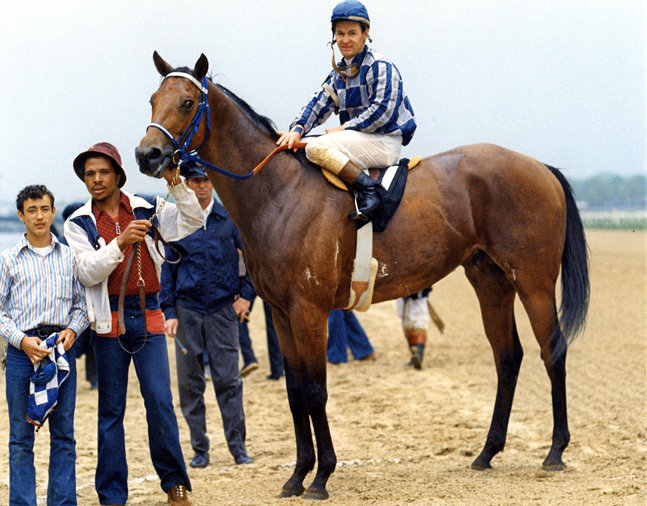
406,437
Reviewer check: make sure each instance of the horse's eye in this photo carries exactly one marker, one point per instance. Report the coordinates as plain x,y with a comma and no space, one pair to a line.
187,104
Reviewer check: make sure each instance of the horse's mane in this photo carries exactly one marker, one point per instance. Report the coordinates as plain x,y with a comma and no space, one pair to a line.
258,119
262,121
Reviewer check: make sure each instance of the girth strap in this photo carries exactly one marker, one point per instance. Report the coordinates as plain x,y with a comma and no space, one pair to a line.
364,272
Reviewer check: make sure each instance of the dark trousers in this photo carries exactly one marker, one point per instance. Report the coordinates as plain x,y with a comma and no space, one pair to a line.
83,346
217,334
245,341
273,348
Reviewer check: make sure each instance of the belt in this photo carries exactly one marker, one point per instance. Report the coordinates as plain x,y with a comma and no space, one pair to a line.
44,330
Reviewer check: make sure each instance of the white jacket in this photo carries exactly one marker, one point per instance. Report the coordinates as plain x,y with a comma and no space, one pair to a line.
96,259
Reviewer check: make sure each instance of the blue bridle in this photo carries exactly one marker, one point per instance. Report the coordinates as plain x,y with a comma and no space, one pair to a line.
180,155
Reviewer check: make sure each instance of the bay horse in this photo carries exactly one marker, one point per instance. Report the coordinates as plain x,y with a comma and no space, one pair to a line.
508,219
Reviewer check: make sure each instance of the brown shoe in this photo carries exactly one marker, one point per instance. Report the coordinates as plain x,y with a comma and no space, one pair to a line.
251,367
178,496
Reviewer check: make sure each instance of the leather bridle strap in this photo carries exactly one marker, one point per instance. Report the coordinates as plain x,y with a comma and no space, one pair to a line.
141,288
158,238
141,285
200,85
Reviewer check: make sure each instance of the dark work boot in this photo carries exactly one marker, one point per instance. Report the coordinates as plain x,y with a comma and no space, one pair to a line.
367,198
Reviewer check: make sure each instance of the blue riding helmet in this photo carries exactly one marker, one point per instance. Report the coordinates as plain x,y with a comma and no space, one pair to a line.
350,10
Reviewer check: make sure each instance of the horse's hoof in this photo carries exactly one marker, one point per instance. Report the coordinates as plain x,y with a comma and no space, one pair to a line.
480,466
557,466
290,491
316,494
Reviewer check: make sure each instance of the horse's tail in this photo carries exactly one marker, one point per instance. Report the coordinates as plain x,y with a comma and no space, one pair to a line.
576,288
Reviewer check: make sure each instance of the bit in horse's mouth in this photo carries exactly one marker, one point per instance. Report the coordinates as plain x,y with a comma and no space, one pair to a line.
161,168
157,172
153,168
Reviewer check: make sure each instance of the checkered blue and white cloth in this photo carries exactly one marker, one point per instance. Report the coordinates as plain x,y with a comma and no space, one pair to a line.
48,376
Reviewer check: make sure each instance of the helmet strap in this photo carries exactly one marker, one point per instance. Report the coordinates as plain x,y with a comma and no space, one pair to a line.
346,71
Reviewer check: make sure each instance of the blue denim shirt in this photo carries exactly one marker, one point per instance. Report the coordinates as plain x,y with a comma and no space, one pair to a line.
207,277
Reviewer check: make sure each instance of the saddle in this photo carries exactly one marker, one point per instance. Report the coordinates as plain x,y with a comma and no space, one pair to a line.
391,188
334,180
392,183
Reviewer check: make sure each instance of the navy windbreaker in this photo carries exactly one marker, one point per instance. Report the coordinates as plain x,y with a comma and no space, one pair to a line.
207,278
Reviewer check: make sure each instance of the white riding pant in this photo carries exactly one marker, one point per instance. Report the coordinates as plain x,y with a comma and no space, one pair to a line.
414,313
334,150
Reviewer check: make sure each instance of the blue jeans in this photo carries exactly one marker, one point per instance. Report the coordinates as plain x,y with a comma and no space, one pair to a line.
344,331
152,368
61,488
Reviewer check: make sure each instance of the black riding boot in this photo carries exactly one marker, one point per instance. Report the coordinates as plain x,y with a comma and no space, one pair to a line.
368,200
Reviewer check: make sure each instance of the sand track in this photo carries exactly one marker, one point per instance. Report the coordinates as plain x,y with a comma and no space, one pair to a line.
408,437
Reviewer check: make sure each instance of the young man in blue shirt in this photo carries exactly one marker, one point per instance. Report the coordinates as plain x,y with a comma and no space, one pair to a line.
40,294
376,118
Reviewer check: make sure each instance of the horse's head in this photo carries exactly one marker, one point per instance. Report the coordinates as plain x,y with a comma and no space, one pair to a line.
174,104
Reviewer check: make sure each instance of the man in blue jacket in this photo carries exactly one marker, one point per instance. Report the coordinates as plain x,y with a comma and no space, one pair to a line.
203,298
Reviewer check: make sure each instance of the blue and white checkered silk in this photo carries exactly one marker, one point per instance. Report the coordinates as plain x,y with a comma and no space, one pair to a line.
373,101
48,376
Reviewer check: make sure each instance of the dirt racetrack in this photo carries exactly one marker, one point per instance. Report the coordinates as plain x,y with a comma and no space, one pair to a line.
406,437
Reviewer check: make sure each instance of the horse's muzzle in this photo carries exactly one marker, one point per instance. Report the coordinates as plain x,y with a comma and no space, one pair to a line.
152,161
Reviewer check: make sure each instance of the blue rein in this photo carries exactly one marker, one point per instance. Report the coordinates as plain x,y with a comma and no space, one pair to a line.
180,155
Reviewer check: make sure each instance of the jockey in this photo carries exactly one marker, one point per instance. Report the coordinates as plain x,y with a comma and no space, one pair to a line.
366,90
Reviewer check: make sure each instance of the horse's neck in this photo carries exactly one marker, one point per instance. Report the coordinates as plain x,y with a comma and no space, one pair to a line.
238,145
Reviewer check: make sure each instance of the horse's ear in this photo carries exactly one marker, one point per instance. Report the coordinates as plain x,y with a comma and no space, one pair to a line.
201,67
161,66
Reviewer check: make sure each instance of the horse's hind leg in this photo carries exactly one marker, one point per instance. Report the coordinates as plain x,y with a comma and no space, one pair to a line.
542,312
496,298
298,407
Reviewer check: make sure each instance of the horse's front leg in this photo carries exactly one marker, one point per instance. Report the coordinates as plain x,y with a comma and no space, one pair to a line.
298,406
310,328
